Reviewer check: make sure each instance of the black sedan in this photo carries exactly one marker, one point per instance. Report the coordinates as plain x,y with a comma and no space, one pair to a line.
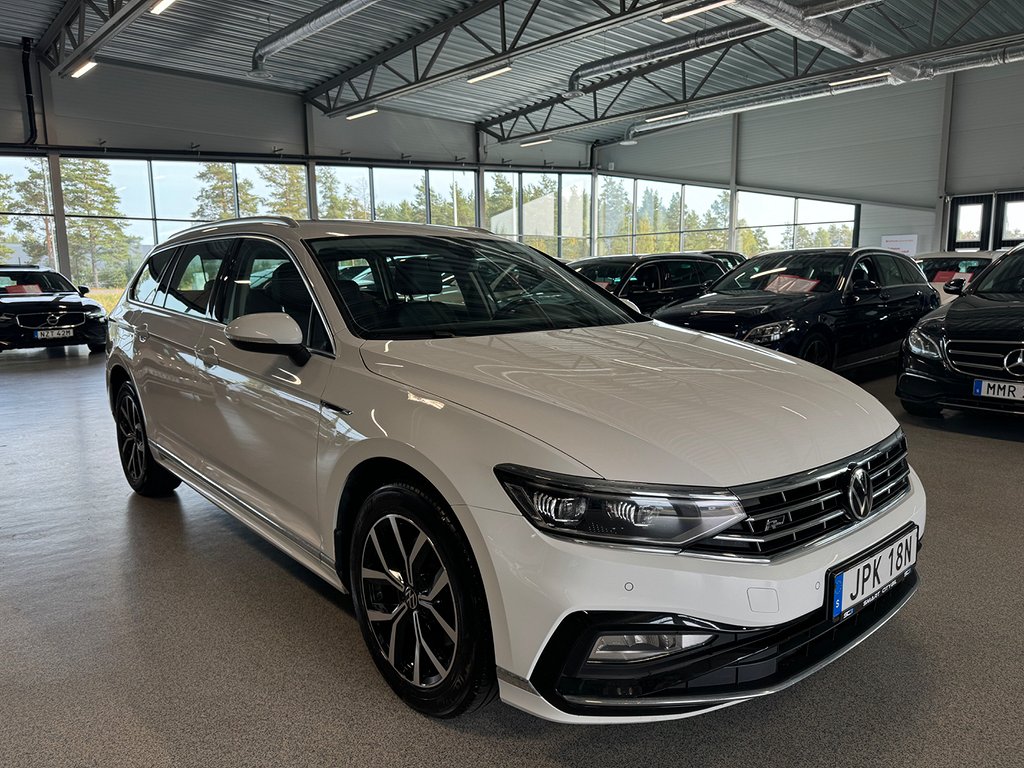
836,307
41,308
653,280
970,353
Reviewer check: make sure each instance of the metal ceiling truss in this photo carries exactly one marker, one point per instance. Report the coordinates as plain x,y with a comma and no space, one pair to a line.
83,27
413,61
560,114
697,101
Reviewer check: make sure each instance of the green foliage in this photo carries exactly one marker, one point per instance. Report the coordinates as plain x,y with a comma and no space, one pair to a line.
6,204
414,210
452,203
216,199
614,207
36,233
287,190
335,202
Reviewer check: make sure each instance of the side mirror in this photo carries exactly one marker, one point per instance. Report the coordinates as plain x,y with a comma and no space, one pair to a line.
865,288
83,289
270,332
955,287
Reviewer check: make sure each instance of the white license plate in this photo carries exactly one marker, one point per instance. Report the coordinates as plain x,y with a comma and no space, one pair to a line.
1008,390
873,576
57,333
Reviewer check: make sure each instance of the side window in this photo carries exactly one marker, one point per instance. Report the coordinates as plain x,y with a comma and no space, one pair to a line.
710,271
265,279
194,276
145,288
644,279
912,274
889,270
677,274
865,269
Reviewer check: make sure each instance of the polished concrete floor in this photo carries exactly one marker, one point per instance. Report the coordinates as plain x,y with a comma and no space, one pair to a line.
162,633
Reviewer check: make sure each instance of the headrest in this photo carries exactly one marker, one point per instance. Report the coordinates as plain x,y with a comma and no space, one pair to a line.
286,287
417,277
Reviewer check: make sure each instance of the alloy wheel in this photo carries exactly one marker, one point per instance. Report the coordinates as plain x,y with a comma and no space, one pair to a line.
132,438
409,601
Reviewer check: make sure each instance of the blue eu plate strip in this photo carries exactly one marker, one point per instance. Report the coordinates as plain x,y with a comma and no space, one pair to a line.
977,386
837,597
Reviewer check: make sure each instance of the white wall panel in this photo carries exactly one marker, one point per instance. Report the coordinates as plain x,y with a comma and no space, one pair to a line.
138,109
389,135
985,138
879,220
562,153
697,152
881,145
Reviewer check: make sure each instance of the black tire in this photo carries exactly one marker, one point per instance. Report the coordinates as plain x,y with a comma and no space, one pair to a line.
144,475
817,348
95,349
926,410
436,612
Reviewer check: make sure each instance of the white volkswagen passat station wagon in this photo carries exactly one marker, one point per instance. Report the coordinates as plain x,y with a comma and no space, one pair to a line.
528,488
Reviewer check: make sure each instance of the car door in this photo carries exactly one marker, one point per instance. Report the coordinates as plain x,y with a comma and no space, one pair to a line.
643,288
860,318
904,301
166,330
264,408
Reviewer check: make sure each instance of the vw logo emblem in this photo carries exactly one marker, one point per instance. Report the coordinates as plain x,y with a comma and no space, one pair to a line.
52,319
859,494
1014,362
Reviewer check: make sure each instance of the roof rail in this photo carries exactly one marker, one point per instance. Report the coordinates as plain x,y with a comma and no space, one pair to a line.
284,221
21,266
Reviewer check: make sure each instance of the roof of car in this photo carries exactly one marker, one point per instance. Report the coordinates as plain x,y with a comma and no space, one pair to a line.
23,267
306,228
960,255
631,258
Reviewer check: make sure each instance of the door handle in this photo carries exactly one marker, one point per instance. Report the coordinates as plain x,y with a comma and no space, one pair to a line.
208,356
142,333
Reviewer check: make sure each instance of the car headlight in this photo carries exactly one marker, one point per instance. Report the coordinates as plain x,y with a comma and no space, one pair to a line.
4,318
766,334
923,345
619,513
95,312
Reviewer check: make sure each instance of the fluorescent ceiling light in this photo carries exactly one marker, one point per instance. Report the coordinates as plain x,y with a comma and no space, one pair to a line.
684,113
364,113
535,143
492,73
83,68
693,10
862,79
161,6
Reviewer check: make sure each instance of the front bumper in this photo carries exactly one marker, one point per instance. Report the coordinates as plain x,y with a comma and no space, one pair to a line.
91,331
555,594
927,381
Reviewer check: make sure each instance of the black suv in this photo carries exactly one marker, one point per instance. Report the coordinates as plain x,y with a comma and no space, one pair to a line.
41,308
970,353
835,307
653,280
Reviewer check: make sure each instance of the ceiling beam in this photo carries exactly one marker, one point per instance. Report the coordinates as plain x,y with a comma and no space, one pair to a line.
82,28
329,96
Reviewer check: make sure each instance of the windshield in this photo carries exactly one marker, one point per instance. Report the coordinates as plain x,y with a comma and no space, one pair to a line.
1006,276
943,270
799,272
431,287
607,274
30,281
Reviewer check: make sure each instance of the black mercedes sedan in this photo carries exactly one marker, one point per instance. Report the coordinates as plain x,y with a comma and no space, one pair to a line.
970,353
653,280
835,307
41,308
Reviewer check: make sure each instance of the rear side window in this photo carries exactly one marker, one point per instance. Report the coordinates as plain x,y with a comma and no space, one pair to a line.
194,276
677,274
912,275
147,286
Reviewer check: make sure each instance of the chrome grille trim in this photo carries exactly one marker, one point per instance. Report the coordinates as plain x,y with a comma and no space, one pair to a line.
36,321
800,510
962,355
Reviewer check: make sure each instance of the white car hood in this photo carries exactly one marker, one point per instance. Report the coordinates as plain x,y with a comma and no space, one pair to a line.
648,402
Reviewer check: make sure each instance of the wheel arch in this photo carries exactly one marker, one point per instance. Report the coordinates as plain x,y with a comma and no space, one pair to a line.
116,378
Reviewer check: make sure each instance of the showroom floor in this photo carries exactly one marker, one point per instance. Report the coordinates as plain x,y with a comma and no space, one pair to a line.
160,633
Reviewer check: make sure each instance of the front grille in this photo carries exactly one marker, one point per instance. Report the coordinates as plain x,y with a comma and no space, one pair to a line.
795,511
41,320
981,358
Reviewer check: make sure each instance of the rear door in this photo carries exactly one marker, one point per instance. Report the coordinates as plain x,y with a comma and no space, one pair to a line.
905,302
681,279
643,288
263,410
860,320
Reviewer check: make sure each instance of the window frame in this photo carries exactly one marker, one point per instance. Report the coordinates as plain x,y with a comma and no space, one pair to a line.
984,240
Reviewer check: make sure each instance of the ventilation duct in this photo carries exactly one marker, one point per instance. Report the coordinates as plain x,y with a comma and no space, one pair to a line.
300,29
924,69
769,15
